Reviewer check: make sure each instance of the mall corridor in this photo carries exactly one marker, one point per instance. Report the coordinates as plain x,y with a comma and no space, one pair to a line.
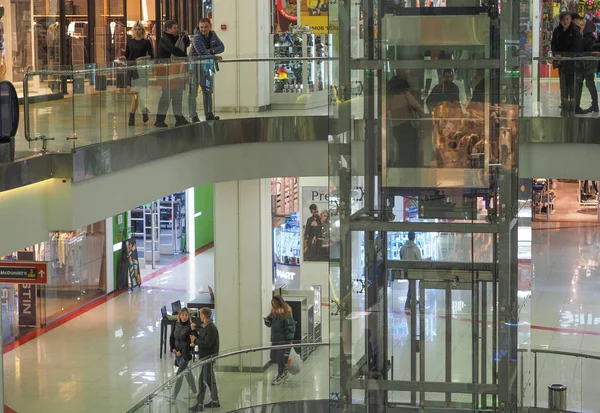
106,359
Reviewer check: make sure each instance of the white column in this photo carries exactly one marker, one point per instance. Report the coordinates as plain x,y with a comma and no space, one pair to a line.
243,87
243,267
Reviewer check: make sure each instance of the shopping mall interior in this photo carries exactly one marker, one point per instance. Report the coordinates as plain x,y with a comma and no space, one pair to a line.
414,178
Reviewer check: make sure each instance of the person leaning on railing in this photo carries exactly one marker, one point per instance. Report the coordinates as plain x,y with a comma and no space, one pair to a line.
172,45
139,49
205,46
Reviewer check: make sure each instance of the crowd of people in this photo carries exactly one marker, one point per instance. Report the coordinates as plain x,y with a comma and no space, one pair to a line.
204,48
573,38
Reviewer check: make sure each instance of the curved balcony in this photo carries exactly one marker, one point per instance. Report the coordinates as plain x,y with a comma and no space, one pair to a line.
244,387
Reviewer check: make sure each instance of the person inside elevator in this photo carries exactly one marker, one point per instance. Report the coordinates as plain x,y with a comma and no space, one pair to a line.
283,330
180,347
410,251
138,49
172,45
404,112
589,67
567,42
205,48
207,339
446,91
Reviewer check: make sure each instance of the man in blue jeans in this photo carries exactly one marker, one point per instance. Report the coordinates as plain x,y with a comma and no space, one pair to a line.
205,48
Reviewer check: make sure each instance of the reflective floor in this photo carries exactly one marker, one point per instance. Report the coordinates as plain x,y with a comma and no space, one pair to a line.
106,359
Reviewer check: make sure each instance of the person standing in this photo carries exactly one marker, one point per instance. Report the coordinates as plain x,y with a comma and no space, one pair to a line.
589,38
283,330
180,347
138,49
410,252
567,42
207,340
172,93
205,47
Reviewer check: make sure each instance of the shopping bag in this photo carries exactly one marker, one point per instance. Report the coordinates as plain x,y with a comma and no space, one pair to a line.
294,362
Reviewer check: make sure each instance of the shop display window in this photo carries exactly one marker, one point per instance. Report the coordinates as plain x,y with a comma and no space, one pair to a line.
76,276
286,241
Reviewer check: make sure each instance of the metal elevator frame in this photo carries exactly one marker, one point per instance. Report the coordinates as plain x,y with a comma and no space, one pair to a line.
374,219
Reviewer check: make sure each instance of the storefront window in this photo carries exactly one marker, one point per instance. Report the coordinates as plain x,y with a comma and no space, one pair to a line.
77,275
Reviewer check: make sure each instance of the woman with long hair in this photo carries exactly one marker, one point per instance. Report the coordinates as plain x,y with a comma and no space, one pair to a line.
138,48
283,329
180,346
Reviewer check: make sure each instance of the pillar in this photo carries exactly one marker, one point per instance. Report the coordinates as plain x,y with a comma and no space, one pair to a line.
243,269
243,87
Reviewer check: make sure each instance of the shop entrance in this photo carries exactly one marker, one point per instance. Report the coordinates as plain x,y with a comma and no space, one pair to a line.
565,200
160,230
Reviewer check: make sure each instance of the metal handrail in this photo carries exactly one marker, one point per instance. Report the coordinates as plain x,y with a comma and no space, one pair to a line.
148,65
212,359
536,351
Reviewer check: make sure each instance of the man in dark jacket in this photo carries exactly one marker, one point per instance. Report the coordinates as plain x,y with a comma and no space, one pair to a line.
446,91
588,31
207,340
205,48
172,92
567,42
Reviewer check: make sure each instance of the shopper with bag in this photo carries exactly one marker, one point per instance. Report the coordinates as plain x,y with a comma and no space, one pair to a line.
205,48
283,330
180,347
172,46
207,340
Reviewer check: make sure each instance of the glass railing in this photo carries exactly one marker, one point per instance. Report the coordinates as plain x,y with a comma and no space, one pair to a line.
119,100
559,87
575,370
242,382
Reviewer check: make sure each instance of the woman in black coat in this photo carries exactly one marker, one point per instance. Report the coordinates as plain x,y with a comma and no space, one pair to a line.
567,42
181,348
283,331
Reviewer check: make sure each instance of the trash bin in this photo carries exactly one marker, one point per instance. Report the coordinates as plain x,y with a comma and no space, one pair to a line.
557,397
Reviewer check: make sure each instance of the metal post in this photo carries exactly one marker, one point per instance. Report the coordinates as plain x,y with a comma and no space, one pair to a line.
535,370
449,339
484,341
475,326
413,338
153,231
421,336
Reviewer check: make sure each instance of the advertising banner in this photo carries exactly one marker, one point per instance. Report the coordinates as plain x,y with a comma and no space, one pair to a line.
315,15
286,15
129,270
27,305
315,231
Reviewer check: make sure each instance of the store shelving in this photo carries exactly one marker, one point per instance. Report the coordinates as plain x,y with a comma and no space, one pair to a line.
299,84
